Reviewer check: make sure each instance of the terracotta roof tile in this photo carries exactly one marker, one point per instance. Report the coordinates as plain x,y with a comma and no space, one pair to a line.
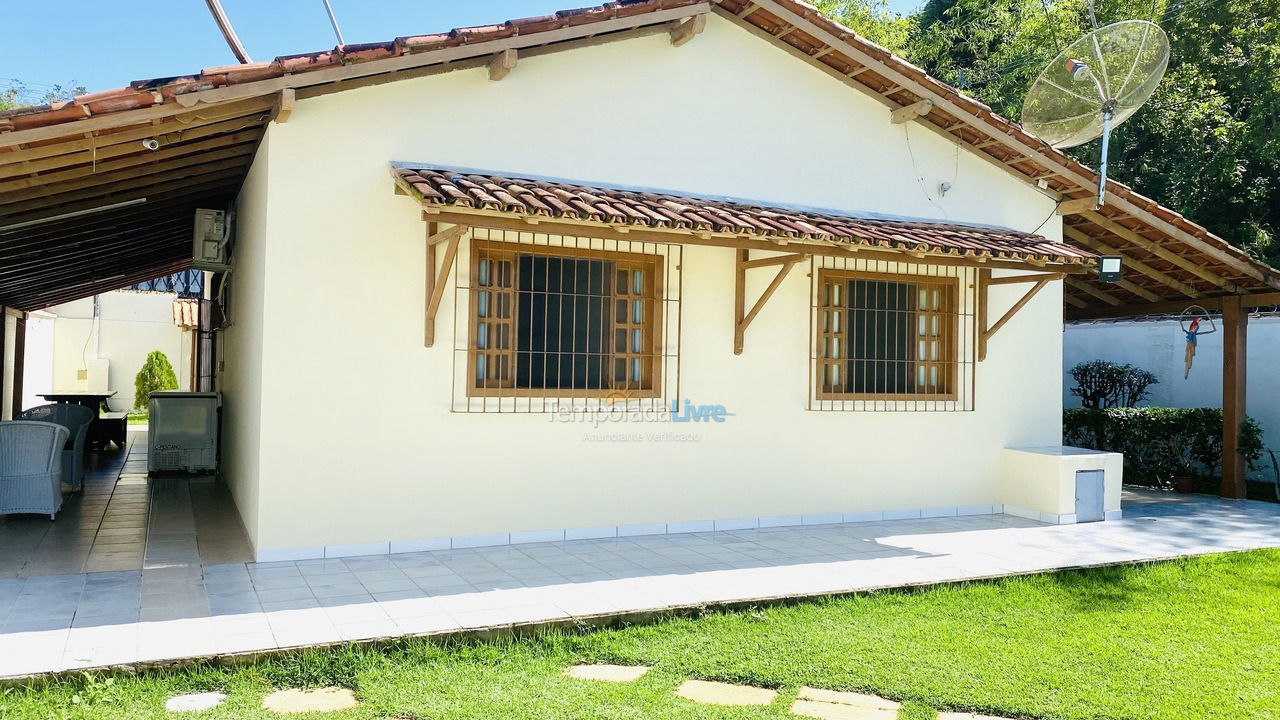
521,196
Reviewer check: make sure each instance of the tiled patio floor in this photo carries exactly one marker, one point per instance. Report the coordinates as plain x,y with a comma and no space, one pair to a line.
123,520
178,608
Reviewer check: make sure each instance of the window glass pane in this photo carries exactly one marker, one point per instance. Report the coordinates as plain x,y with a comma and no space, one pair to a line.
562,303
882,345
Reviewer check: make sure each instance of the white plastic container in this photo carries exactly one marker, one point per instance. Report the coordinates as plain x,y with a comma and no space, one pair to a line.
182,432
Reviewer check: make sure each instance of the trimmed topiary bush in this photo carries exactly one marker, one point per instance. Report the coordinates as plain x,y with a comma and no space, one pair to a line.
156,374
1104,384
1160,443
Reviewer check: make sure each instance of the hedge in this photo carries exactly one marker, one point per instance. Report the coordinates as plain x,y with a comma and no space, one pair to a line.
1160,443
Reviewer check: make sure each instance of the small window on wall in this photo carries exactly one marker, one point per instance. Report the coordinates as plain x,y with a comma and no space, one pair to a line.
564,322
887,337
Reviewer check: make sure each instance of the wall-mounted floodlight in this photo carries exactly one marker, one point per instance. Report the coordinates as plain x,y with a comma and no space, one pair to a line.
1109,268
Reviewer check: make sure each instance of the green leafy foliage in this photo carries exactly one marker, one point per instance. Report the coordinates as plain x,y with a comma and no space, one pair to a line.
1104,384
1207,143
1159,444
156,374
15,93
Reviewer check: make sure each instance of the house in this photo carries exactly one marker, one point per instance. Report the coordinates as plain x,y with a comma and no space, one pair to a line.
655,266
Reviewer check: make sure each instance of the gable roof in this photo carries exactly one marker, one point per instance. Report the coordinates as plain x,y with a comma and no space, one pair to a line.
526,197
52,158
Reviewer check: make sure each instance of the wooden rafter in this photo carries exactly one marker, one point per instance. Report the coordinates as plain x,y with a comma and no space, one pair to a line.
1013,147
1100,247
437,280
1089,289
741,316
1160,251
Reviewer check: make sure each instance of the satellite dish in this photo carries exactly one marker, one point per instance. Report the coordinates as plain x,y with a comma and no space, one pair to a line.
1095,84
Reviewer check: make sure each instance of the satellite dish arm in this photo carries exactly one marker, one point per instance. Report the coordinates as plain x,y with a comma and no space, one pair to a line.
228,32
1108,114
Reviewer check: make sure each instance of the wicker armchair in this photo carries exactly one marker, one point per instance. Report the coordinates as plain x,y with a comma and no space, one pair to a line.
76,419
31,467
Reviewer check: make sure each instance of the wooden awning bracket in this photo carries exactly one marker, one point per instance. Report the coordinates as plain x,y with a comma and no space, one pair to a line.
984,281
742,321
437,280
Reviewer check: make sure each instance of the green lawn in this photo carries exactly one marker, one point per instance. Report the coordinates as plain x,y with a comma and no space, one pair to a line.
138,417
1189,639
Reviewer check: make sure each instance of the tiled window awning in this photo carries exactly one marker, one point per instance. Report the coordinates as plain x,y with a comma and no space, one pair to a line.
658,210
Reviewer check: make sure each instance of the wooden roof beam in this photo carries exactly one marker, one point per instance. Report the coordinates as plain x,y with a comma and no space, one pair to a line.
284,105
1100,247
1067,170
1088,289
1160,251
503,63
910,112
687,30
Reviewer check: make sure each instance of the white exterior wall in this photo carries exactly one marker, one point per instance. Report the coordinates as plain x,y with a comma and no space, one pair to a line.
358,444
239,346
1160,347
112,349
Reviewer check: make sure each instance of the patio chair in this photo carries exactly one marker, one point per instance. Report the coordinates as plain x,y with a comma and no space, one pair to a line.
31,467
76,419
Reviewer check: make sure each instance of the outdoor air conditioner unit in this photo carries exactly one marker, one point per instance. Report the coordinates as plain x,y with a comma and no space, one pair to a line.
209,251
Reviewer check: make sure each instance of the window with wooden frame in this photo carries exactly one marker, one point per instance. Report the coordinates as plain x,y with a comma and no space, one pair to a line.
888,337
551,321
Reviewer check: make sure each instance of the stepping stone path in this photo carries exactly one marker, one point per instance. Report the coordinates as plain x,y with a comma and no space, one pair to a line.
288,702
718,693
607,673
832,705
194,702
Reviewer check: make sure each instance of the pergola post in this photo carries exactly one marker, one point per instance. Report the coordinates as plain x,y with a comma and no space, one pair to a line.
1235,324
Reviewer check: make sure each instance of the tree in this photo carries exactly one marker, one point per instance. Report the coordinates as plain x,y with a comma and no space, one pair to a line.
15,93
156,374
1208,142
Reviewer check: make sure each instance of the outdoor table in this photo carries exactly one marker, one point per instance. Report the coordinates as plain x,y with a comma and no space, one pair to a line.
98,431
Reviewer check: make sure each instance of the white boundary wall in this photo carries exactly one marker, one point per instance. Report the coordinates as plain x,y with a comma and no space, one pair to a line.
1159,346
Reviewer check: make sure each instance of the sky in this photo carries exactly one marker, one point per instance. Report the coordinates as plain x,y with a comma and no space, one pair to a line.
104,44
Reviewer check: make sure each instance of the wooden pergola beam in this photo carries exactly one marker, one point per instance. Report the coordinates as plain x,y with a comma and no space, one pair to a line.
1088,289
1160,251
1100,247
741,320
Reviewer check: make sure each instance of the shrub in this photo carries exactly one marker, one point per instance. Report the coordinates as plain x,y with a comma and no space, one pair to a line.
1160,443
156,374
1104,384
